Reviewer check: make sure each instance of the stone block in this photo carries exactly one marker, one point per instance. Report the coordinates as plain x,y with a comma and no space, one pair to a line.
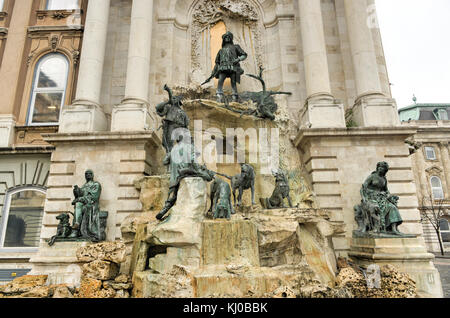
79,118
153,192
23,284
100,270
58,262
376,112
107,251
229,242
89,288
131,117
183,226
323,114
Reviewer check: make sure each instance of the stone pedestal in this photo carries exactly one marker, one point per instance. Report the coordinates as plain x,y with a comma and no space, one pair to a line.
183,226
83,118
131,117
323,113
376,111
230,242
177,240
408,254
59,262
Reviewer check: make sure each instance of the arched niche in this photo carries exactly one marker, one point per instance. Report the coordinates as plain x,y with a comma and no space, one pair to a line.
243,18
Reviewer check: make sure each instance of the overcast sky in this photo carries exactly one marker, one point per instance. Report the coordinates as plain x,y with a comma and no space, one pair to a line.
416,40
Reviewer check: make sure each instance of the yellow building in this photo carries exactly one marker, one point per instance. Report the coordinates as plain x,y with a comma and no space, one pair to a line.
40,43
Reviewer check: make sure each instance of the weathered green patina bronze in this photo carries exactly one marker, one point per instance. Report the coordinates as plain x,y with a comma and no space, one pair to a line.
221,206
228,66
242,181
378,215
89,223
265,103
63,230
174,118
280,193
182,164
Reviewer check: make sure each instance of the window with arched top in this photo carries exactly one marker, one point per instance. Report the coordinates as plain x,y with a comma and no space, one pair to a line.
62,4
436,188
48,90
21,221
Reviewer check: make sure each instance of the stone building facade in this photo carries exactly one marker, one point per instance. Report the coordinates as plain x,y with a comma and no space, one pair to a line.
100,113
431,164
35,35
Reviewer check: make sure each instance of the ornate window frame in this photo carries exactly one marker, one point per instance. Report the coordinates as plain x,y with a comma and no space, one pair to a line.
5,216
34,89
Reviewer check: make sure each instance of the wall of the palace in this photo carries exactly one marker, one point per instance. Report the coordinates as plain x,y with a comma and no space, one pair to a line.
26,171
434,134
277,44
280,49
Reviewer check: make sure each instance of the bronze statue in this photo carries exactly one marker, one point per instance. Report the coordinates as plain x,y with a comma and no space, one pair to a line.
63,230
378,214
265,103
182,164
242,181
280,193
174,118
221,206
87,222
228,66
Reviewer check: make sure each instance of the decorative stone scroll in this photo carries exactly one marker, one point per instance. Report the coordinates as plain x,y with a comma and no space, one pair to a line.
208,12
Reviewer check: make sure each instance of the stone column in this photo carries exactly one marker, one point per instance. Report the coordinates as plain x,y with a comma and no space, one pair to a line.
10,71
321,109
86,113
133,113
445,155
372,107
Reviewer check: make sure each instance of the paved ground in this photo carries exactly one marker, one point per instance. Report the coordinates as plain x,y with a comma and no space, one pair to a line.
442,264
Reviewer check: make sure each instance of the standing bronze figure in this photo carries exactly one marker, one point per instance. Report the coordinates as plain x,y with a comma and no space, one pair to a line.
228,66
174,118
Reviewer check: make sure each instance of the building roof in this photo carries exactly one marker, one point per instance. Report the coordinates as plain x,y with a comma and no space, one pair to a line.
424,111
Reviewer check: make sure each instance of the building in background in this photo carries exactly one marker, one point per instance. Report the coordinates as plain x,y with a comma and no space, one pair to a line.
40,44
431,163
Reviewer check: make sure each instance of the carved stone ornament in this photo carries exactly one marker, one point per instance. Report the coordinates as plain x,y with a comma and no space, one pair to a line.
54,42
434,170
208,12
